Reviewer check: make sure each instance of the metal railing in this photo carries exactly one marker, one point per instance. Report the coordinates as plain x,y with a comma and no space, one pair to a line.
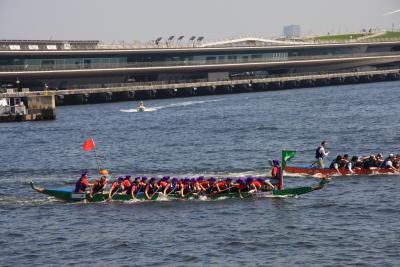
178,84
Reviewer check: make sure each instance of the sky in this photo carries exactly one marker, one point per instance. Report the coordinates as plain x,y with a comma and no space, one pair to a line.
145,20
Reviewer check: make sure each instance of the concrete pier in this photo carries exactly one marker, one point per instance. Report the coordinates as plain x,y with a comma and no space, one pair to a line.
164,89
44,107
41,107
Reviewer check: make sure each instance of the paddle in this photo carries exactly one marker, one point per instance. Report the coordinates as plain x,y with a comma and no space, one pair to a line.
154,193
218,192
117,189
172,191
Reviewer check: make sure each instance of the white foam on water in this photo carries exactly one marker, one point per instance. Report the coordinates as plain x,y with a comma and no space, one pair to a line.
181,104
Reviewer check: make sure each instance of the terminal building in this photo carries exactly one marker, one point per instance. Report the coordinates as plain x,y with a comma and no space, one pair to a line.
65,64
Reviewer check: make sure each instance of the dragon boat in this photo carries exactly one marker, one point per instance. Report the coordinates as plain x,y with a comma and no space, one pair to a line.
69,195
315,170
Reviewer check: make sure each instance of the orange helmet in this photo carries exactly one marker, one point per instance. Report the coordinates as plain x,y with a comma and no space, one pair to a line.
104,172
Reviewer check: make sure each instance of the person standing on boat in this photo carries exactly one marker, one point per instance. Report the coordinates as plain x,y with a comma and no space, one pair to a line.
82,183
275,173
320,153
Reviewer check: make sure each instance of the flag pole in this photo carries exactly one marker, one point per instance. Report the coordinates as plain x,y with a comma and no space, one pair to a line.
97,160
286,156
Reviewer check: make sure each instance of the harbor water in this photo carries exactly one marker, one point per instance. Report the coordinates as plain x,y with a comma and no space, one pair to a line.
352,222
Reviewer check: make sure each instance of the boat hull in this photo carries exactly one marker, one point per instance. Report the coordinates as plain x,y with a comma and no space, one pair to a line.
69,196
329,172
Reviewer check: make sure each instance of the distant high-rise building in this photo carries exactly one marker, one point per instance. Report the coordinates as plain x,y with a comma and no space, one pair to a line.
290,31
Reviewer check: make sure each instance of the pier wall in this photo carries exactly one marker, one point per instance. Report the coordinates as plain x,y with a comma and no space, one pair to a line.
40,103
44,107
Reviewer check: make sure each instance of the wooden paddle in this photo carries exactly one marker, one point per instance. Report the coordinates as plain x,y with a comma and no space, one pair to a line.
154,193
218,192
118,187
176,187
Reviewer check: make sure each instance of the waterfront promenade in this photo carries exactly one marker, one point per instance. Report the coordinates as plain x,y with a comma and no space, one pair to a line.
275,82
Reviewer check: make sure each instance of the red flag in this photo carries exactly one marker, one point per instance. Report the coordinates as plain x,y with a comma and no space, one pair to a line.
88,145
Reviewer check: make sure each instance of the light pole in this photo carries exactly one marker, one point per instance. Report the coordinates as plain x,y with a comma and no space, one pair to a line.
169,40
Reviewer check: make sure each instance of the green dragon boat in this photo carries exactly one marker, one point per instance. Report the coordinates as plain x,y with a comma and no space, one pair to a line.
69,196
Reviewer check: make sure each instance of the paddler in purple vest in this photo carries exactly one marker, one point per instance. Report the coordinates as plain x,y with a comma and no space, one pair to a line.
320,153
82,183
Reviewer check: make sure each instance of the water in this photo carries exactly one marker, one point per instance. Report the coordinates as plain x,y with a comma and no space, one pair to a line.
353,222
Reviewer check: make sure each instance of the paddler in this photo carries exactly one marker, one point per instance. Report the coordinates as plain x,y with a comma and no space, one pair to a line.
241,186
221,185
203,182
265,184
257,184
126,185
142,184
184,186
212,186
164,184
82,183
99,185
151,188
133,190
251,188
196,187
229,185
336,163
388,163
115,187
173,187
321,153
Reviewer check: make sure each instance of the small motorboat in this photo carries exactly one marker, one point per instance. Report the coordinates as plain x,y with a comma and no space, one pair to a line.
141,107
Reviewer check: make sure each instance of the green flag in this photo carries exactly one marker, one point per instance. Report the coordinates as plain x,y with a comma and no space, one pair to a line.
286,156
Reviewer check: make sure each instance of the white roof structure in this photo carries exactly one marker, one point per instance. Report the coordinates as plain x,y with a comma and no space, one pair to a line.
249,41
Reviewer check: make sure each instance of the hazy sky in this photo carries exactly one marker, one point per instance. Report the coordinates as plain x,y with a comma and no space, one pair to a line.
145,20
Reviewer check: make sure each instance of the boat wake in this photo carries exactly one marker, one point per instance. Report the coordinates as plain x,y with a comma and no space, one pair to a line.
181,104
27,201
